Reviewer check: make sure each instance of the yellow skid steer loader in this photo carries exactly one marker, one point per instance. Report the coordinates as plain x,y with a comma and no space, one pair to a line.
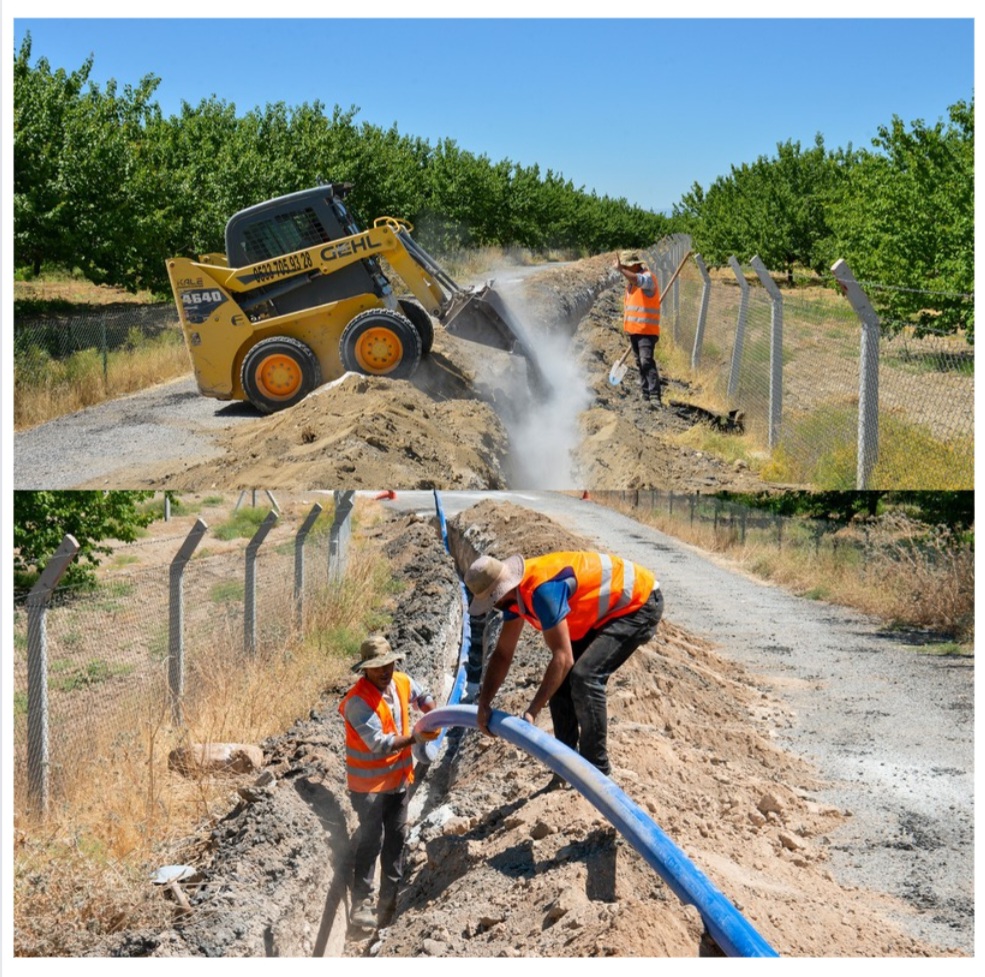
300,298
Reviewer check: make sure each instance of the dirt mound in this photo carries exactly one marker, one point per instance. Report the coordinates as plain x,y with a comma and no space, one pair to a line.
468,419
362,432
499,867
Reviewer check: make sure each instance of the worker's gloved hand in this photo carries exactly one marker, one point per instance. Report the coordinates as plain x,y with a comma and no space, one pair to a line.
422,737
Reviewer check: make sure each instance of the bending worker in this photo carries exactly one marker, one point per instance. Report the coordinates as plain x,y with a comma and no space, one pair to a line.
641,321
594,610
379,769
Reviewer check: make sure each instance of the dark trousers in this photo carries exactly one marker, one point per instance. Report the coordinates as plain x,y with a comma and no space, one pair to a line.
578,708
643,347
382,828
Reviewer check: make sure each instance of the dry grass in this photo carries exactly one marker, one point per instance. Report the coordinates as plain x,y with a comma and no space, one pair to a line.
46,388
85,870
906,573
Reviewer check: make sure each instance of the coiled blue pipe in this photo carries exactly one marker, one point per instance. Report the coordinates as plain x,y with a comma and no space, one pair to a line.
730,930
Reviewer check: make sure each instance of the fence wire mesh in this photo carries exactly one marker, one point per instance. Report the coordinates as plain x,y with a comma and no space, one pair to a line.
65,362
926,382
108,650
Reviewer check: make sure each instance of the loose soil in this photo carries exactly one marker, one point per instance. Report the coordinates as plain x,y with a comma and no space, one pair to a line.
466,419
498,865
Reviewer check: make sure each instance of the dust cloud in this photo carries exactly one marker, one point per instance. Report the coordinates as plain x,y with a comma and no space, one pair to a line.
543,427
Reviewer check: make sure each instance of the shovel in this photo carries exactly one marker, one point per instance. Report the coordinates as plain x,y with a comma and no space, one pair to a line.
619,368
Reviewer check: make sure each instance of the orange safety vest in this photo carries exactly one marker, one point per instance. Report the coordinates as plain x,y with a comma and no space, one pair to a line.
641,312
606,587
368,772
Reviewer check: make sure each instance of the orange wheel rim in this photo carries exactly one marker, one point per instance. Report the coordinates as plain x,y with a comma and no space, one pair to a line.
278,376
379,350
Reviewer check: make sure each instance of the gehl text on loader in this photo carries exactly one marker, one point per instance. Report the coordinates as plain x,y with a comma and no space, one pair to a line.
300,298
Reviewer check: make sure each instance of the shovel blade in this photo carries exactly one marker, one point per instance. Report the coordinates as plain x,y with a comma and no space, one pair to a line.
617,373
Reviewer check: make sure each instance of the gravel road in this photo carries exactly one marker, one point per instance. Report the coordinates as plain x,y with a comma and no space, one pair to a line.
890,729
167,424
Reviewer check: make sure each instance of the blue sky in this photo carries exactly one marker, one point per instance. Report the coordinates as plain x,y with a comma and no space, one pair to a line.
570,95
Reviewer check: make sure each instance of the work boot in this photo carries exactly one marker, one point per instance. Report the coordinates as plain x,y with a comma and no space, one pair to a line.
388,909
363,915
557,782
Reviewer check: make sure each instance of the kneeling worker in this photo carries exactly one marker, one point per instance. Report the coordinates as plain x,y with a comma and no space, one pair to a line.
594,610
379,769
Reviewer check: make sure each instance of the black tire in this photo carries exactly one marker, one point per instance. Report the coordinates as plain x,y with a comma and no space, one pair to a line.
422,322
381,343
279,372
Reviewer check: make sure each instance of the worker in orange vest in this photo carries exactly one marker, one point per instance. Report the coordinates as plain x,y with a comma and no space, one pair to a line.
641,321
379,771
594,610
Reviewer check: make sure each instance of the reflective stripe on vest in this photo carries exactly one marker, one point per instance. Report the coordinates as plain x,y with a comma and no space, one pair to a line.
606,587
368,772
641,312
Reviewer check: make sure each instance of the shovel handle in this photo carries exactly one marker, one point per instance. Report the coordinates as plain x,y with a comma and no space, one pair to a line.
673,277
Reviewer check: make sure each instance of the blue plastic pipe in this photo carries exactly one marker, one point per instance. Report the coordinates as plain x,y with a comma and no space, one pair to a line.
728,927
432,749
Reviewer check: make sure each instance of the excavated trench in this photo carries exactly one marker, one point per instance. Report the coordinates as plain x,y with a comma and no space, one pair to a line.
497,864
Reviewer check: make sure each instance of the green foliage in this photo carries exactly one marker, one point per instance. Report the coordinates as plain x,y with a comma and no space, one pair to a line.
774,208
70,676
242,525
80,189
907,218
42,519
955,510
140,187
901,215
227,591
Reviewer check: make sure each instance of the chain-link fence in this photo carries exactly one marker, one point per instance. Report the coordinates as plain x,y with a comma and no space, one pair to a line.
794,362
96,671
66,362
918,575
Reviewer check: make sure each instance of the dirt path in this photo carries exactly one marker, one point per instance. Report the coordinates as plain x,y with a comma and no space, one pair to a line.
465,421
818,772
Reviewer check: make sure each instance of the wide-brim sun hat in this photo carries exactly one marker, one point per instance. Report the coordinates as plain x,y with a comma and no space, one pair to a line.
630,258
375,652
489,580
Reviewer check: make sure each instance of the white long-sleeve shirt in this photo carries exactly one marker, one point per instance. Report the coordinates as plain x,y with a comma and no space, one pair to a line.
367,723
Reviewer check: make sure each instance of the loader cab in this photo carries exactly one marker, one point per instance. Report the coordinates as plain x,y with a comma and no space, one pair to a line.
291,223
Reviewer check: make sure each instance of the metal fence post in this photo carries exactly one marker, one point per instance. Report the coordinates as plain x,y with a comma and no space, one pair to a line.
338,539
699,332
776,350
868,374
176,619
302,535
740,327
38,764
250,597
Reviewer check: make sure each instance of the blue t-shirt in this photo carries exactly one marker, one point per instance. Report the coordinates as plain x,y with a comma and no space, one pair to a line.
550,600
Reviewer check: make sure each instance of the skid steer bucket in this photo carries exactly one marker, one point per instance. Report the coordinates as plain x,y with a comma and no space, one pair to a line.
480,316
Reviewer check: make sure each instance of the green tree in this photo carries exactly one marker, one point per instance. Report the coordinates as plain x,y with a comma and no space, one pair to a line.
774,208
42,519
42,101
906,221
77,154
